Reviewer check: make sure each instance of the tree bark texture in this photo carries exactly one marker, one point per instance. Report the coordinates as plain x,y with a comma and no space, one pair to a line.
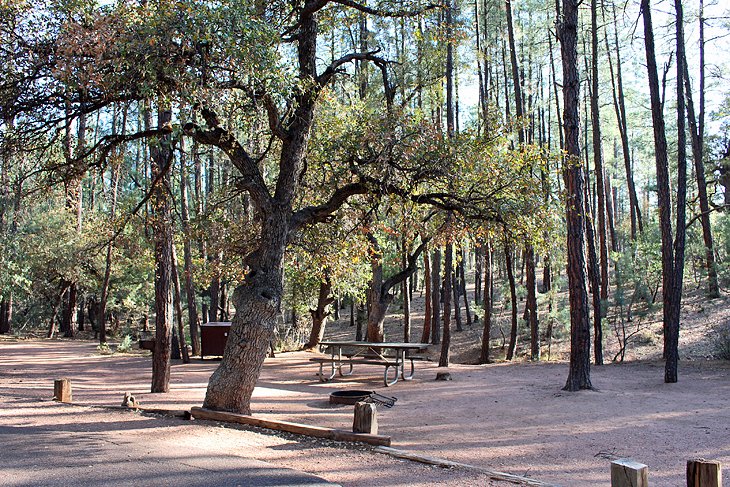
177,301
598,155
531,304
512,347
595,281
405,293
162,223
580,365
663,189
487,304
320,313
672,328
190,292
446,342
713,287
436,297
426,334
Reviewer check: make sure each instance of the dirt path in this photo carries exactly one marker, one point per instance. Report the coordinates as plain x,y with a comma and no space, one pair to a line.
508,417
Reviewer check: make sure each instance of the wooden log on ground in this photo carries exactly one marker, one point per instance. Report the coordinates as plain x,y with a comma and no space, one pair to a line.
300,429
366,419
62,390
628,473
704,473
439,462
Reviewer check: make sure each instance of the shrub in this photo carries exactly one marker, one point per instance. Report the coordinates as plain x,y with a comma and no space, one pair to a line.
722,346
125,346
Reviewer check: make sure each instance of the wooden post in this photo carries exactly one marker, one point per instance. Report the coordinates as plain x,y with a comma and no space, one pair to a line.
704,473
366,420
628,473
62,390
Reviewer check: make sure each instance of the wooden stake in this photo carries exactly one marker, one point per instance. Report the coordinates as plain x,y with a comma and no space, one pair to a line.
628,473
62,390
704,473
366,419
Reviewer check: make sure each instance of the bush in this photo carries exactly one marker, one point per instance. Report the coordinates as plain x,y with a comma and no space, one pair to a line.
125,346
104,349
722,346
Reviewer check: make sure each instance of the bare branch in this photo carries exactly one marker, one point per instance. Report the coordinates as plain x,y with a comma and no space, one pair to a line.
405,273
387,13
274,118
252,180
323,213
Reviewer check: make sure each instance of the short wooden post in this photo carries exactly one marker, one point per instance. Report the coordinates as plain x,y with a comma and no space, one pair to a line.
62,390
366,420
704,473
628,473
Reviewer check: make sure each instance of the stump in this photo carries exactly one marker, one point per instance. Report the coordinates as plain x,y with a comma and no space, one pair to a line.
129,401
704,473
366,420
628,473
443,376
62,390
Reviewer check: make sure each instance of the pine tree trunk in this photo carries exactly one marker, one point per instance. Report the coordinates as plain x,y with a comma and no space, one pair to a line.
579,374
182,343
436,297
672,328
598,157
662,172
162,157
532,303
426,334
620,109
406,295
361,321
487,303
512,347
713,288
190,292
479,251
594,280
108,264
462,280
446,342
456,287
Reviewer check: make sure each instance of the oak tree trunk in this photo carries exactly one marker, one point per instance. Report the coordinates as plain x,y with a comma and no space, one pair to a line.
320,313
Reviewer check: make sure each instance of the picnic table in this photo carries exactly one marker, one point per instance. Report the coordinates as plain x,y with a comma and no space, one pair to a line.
391,355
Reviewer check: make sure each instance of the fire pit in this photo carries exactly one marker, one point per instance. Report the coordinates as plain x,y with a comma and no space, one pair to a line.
349,397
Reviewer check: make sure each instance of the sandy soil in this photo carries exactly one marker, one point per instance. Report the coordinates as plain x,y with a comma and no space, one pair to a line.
507,417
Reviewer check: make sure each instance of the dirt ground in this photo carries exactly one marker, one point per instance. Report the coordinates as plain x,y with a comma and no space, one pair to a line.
507,417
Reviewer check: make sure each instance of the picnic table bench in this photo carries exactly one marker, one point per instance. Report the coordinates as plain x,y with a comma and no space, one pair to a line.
370,353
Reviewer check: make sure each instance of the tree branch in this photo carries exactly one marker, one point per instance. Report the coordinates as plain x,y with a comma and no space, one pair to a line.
252,180
274,118
322,213
386,13
405,273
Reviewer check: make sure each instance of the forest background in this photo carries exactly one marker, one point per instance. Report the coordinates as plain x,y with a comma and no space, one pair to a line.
307,156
